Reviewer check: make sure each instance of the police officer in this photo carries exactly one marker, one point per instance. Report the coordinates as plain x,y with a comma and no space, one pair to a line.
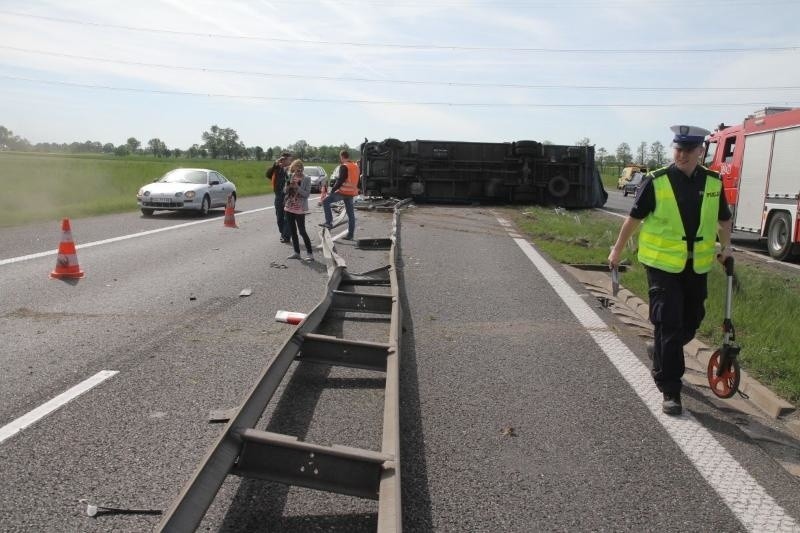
681,209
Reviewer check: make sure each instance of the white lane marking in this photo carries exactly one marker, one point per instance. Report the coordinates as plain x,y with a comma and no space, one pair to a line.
123,237
612,213
748,500
11,429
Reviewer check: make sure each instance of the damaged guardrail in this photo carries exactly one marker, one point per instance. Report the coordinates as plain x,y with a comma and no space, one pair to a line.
243,450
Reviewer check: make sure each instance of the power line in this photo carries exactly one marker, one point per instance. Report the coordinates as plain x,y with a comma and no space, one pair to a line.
393,102
452,48
397,81
544,3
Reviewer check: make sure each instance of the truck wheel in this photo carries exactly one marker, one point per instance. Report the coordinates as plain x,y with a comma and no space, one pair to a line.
394,144
779,236
558,186
526,148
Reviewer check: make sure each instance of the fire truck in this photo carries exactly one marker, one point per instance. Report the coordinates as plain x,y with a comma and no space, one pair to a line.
759,163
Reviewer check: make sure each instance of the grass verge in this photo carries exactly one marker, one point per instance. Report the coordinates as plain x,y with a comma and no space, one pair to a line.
766,308
41,187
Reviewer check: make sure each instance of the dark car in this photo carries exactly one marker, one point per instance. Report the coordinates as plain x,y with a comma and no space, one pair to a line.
318,177
633,185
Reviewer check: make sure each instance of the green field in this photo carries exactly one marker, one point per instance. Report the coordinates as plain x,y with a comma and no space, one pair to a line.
40,187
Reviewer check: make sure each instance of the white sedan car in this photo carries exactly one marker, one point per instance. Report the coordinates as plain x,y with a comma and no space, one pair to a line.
192,189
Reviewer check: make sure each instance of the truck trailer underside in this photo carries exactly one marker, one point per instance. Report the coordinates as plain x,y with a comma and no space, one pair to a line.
525,172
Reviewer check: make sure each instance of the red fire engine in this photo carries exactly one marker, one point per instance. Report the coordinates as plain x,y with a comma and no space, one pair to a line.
759,162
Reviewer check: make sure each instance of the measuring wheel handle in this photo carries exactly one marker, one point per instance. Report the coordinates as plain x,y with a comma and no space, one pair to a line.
728,264
723,370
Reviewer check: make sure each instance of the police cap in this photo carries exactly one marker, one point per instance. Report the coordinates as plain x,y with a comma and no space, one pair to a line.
688,136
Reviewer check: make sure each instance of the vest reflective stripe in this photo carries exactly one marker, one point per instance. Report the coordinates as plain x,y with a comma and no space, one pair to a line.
662,241
350,186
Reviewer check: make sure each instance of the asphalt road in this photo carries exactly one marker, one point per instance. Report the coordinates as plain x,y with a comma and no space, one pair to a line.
514,416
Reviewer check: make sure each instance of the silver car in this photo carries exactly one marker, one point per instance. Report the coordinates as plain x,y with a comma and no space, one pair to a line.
318,177
193,189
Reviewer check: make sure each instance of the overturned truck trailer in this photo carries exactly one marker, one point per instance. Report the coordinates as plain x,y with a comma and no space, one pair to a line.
517,172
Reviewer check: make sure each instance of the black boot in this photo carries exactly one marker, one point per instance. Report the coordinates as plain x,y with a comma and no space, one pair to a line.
672,404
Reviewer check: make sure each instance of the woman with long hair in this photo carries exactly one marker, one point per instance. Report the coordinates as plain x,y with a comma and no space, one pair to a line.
298,188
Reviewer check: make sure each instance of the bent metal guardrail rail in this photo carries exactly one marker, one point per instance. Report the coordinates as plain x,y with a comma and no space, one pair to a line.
245,451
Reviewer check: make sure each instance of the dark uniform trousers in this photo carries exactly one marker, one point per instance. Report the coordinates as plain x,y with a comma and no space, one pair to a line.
283,226
677,307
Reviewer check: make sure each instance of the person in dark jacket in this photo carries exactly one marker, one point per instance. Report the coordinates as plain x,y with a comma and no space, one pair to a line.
682,210
279,176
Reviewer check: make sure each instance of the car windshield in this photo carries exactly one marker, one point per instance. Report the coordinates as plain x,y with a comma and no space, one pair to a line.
313,171
637,177
182,175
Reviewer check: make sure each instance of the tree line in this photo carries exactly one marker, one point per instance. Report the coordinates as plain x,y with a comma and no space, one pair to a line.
651,156
218,143
224,143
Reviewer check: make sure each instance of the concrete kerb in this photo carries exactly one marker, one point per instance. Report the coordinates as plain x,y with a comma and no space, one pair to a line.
633,311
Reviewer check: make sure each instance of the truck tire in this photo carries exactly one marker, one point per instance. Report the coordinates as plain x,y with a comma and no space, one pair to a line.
558,186
779,236
394,144
526,148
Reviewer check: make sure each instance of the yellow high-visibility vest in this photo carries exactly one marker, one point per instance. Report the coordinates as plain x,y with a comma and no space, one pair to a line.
663,241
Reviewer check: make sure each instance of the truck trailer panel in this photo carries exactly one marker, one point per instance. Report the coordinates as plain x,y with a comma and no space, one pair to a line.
465,172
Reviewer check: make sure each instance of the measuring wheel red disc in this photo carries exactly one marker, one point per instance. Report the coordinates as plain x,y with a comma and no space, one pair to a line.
726,383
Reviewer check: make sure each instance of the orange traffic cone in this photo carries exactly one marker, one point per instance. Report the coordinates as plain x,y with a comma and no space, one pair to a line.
67,262
230,220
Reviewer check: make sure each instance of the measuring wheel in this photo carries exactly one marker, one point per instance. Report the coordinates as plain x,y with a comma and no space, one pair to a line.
723,382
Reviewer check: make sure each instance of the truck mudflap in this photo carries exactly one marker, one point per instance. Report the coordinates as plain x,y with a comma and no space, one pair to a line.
522,172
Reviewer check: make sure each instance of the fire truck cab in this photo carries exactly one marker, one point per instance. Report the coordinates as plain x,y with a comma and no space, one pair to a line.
759,163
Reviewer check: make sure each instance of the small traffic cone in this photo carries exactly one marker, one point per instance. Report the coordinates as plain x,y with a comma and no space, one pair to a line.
290,317
67,262
230,220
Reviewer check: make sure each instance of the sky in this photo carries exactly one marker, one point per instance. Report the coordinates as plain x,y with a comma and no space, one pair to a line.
333,72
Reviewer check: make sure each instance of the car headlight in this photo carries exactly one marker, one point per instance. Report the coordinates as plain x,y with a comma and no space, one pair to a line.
143,192
189,195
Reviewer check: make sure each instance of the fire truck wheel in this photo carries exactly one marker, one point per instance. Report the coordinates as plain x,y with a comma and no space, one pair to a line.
558,186
779,236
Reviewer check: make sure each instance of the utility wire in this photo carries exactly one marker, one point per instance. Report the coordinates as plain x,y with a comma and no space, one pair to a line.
452,48
393,102
545,3
397,81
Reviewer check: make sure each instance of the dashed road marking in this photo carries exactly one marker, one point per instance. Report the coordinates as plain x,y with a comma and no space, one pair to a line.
11,429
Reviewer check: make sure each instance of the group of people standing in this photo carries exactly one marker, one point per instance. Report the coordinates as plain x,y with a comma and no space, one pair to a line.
292,189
